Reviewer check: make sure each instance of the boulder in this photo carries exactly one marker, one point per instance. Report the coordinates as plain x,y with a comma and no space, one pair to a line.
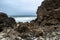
22,29
3,14
6,21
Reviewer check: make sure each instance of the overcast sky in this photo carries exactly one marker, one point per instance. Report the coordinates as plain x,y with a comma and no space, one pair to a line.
19,7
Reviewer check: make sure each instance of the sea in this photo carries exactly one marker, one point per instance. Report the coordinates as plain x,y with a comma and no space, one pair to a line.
24,19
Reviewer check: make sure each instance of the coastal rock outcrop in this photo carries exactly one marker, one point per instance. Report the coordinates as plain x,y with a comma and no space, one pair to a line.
48,12
46,23
45,26
6,21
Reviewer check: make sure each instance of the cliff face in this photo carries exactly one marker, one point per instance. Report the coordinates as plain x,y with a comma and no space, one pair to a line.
49,12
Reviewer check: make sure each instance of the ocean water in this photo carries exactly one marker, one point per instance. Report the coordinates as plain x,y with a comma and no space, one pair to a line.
24,19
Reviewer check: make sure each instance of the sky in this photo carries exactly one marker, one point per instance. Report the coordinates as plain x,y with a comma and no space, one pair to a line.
19,7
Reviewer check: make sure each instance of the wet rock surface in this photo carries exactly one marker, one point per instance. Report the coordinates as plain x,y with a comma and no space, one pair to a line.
44,27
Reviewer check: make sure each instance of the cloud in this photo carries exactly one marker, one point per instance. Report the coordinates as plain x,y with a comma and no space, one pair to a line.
21,7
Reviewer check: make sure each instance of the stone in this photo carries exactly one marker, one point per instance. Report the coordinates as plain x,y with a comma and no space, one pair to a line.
23,29
3,14
6,21
49,9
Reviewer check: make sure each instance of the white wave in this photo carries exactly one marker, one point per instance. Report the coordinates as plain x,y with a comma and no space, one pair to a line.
24,19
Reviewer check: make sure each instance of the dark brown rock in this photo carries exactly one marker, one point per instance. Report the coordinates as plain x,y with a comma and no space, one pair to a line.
23,29
49,9
6,21
3,14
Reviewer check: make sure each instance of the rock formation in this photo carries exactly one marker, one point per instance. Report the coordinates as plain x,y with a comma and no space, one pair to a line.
6,21
48,19
47,24
49,12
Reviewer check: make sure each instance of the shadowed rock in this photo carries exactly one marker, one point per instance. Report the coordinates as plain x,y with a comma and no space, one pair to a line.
6,21
3,14
23,29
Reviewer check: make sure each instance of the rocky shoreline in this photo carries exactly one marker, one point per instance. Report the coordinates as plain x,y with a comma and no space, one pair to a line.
45,27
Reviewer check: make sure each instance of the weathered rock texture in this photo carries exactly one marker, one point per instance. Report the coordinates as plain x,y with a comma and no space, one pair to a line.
49,12
47,24
6,21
